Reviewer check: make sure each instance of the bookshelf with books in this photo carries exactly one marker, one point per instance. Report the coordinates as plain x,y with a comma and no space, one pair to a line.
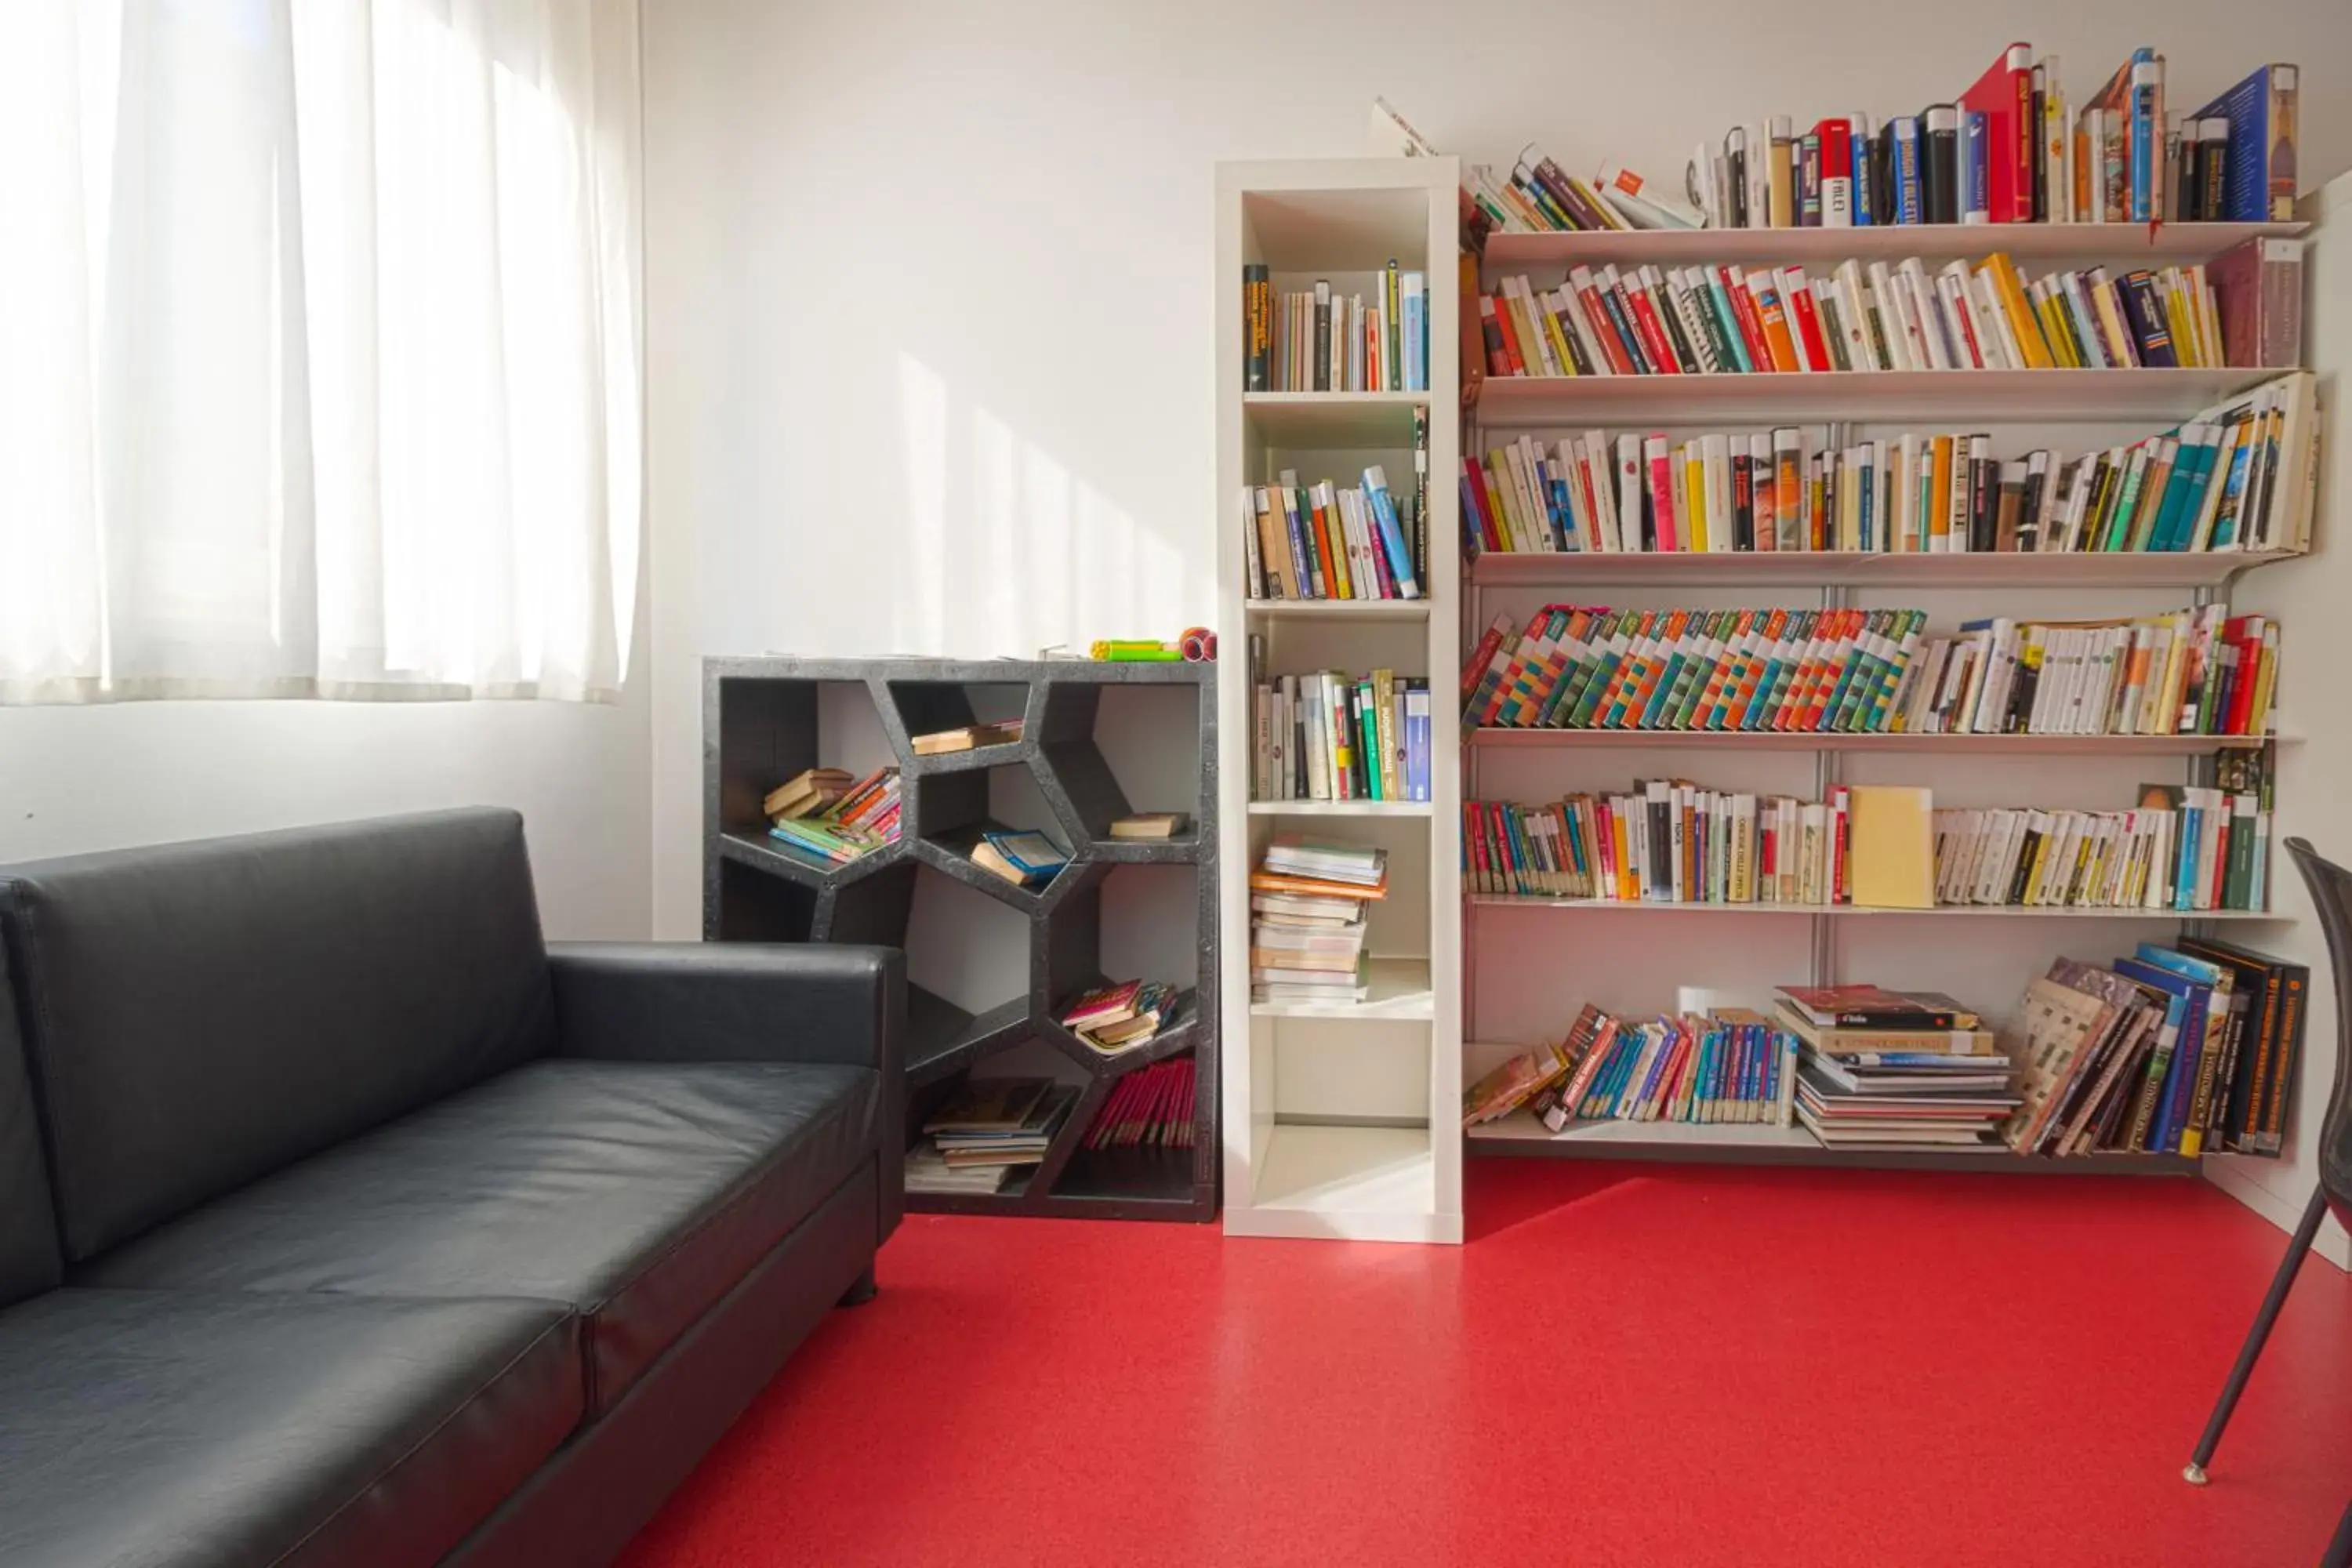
2065,397
1020,876
1338,577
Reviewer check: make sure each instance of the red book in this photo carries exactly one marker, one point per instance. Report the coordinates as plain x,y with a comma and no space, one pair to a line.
1662,489
1596,312
2245,638
1743,310
1797,297
1490,530
1655,344
2004,95
1837,170
1490,326
1324,525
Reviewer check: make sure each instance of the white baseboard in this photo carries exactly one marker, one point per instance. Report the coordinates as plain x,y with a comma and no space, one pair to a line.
2333,1245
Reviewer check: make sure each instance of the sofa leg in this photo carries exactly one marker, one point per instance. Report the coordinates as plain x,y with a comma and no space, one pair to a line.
862,1291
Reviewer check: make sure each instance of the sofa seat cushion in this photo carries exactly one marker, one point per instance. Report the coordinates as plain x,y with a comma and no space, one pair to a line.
638,1191
234,1428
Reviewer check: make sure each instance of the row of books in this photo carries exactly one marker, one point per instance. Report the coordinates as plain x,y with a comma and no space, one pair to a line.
1316,541
1729,1064
1313,340
1325,735
1722,320
1152,1107
986,1130
1307,916
1123,1016
1665,841
1857,671
2192,672
2240,476
2189,1048
2008,151
822,816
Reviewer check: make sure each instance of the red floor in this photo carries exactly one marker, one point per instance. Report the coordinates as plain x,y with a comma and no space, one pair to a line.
1626,1365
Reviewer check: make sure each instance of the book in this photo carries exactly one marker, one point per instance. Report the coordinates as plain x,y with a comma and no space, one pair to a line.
1149,825
1873,1006
2258,291
967,737
1111,1003
2263,110
1152,1009
807,791
1151,1108
1322,541
1727,1065
1318,339
1893,846
1024,859
1327,735
860,819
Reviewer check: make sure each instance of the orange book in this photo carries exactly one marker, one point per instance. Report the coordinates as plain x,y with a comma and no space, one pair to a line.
1939,494
1276,882
1324,524
1765,290
1505,317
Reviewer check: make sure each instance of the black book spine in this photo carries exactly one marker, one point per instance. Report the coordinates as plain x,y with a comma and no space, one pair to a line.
1885,204
1942,174
1735,167
1984,495
1322,336
1743,501
1809,181
2040,145
2213,165
1662,300
1257,325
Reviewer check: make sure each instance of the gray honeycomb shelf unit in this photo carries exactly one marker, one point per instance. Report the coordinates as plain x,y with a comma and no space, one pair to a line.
766,719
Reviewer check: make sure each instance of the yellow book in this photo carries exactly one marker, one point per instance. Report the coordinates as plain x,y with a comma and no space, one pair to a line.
2185,346
1525,327
2167,720
1890,835
2111,315
1695,486
1558,339
2063,352
1939,517
2009,288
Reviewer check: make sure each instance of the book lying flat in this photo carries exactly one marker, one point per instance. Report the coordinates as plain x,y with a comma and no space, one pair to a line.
967,738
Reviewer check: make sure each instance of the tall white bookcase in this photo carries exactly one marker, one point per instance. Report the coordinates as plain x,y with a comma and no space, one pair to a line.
1343,1121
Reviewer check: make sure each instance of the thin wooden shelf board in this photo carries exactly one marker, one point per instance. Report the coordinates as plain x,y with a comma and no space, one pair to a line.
1339,809
1874,396
1315,420
1941,912
1338,609
1520,1134
1845,568
1815,740
2137,242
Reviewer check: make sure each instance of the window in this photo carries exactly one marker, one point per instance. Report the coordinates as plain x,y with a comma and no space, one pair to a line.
319,349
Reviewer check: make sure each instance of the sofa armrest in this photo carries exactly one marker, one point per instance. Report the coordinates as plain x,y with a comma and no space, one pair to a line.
742,1002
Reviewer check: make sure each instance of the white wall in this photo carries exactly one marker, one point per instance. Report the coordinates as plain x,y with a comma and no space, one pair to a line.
929,283
75,779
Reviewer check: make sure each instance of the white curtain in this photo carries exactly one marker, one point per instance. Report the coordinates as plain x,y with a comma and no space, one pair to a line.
320,348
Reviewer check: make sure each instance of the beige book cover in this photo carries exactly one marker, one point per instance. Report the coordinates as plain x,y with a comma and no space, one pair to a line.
1892,839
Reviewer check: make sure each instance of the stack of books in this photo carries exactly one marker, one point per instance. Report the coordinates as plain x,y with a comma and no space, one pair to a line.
1307,906
1327,735
1121,1016
2192,672
1855,671
1892,1069
2234,478
1314,340
805,793
1319,543
984,1131
863,817
2186,1050
1151,1108
1730,1065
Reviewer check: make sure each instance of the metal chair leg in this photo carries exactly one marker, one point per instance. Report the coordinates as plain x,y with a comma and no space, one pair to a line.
2297,1248
2339,1548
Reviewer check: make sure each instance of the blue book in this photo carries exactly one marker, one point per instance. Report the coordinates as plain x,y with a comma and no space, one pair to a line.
1416,334
1910,196
2185,1014
2147,138
2258,175
1376,490
2203,456
1721,301
1865,188
1976,167
2177,484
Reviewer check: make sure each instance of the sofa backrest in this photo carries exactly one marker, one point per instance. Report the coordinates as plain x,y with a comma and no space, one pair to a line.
198,1015
29,1261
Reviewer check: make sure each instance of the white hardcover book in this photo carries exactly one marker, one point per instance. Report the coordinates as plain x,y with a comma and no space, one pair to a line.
1905,532
2002,335
1952,294
1790,280
1715,461
1854,317
1927,309
1900,336
1629,492
1592,456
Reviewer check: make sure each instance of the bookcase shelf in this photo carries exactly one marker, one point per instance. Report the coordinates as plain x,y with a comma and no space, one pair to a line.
1873,396
1850,912
1814,740
1339,808
2137,243
1520,1134
1839,568
1343,1120
761,721
1338,609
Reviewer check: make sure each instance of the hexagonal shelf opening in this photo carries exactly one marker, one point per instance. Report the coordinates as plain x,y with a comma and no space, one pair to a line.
933,707
772,730
1121,748
1134,1150
1128,922
967,974
753,905
955,809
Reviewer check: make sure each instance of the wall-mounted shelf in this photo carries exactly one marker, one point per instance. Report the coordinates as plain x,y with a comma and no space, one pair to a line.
1334,418
2138,243
762,724
1750,1143
1853,912
1339,809
1338,609
1876,397
1819,741
1839,568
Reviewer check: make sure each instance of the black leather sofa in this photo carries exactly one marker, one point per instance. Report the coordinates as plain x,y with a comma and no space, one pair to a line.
343,1222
